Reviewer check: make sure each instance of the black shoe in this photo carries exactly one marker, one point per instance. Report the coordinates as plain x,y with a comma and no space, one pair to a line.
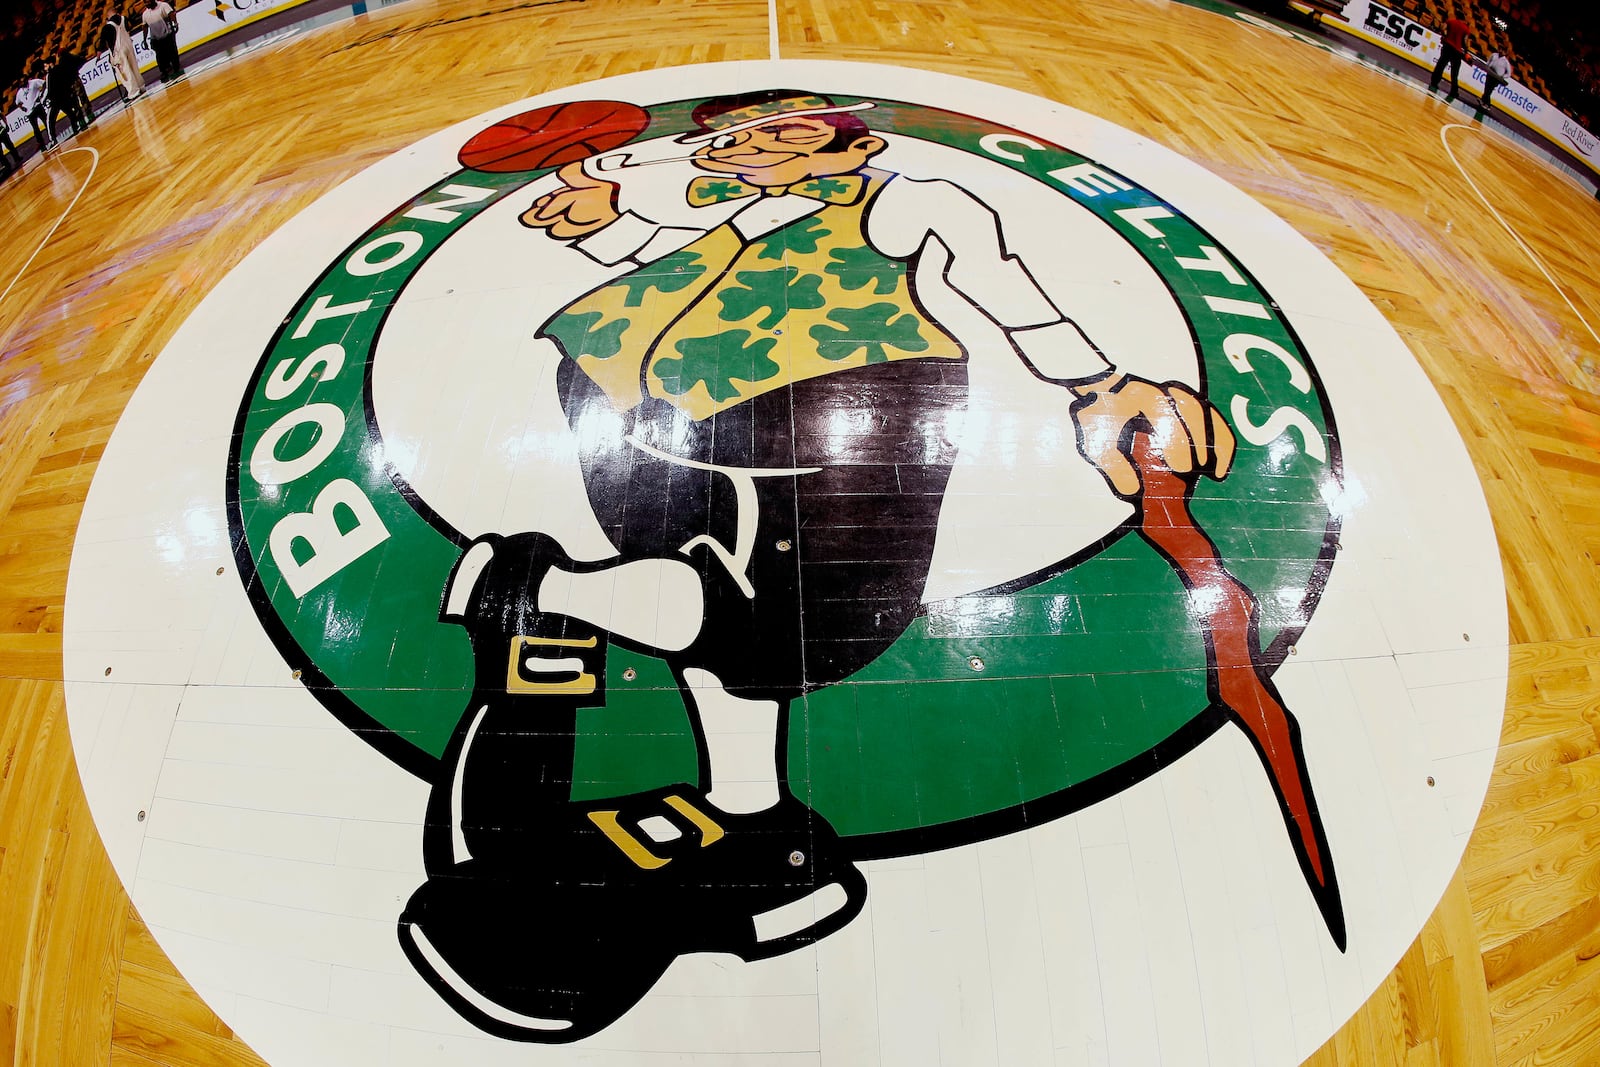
554,963
560,942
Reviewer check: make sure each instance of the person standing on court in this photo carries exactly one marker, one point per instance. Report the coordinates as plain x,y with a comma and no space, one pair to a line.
1495,75
1452,46
62,78
161,30
78,63
31,99
124,61
6,145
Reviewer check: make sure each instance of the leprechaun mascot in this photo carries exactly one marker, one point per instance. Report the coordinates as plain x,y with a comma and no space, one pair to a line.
766,406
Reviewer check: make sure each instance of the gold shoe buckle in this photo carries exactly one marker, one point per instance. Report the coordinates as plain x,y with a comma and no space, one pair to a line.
518,678
635,850
631,846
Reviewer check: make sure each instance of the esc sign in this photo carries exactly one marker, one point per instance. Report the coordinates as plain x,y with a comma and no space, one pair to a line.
1396,27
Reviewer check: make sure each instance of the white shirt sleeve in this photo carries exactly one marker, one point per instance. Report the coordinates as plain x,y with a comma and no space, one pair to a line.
635,238
618,241
908,214
639,235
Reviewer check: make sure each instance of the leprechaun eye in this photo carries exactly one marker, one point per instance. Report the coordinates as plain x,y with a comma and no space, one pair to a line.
727,140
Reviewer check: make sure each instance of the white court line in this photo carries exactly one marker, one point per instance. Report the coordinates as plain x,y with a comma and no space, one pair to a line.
1515,236
772,27
87,178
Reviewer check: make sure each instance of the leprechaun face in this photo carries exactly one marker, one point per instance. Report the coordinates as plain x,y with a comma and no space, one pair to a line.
785,151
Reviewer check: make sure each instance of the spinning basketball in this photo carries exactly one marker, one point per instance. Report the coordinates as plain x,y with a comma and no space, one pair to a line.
554,135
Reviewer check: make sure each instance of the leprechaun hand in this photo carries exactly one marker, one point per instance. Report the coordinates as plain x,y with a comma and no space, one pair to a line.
1189,434
582,205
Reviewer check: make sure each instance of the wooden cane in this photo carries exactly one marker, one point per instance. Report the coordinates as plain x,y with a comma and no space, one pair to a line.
1239,685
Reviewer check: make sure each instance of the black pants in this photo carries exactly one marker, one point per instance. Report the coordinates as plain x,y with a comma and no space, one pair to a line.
67,101
7,146
166,49
1447,57
41,127
841,552
1491,83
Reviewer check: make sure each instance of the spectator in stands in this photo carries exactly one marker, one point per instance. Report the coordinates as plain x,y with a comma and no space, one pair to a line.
1495,75
161,30
1452,45
31,99
124,61
66,89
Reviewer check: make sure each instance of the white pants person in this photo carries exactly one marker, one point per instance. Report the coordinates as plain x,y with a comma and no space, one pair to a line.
125,62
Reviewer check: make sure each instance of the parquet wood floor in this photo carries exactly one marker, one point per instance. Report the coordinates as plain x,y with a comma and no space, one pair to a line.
191,179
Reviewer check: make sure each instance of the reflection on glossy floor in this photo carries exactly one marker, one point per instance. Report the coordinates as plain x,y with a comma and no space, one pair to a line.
193,179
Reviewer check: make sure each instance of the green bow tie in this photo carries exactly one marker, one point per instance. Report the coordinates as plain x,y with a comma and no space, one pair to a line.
833,189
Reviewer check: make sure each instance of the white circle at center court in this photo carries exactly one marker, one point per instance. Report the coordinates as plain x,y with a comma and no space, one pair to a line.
1167,924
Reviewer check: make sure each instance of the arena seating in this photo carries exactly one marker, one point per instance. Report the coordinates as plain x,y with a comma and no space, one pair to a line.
1565,41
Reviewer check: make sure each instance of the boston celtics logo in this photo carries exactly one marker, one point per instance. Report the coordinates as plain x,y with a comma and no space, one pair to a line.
715,500
767,406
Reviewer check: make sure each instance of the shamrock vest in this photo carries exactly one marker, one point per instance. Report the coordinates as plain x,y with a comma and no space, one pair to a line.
723,320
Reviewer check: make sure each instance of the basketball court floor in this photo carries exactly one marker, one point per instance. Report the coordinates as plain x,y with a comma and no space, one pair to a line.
596,532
